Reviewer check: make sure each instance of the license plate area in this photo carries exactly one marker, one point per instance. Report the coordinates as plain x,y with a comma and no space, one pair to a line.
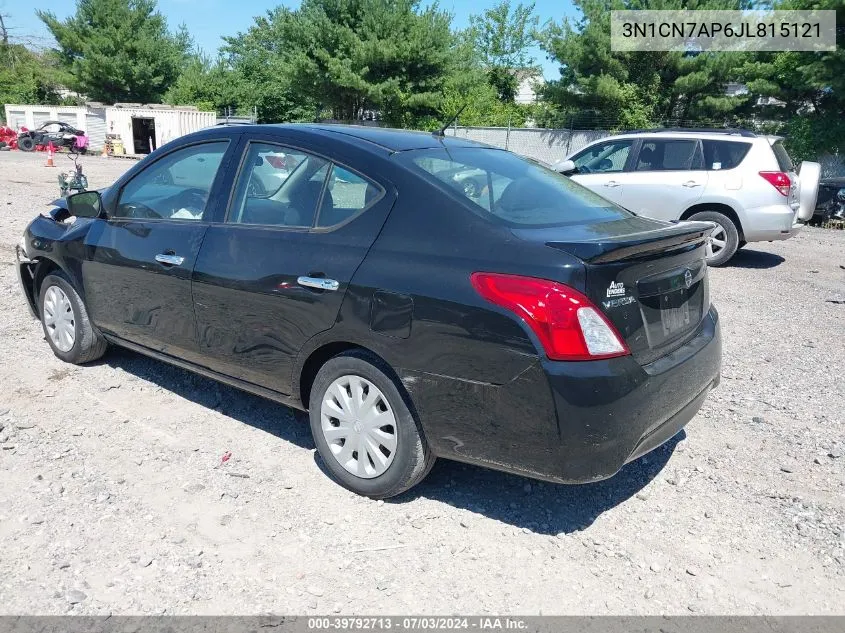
675,320
669,316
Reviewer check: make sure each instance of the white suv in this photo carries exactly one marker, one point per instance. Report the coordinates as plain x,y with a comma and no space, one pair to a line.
745,183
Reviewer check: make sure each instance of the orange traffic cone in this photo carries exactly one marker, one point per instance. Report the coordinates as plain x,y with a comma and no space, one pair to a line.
50,155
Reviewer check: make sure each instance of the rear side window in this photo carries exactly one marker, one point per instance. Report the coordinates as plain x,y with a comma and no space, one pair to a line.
720,155
507,189
784,161
278,186
669,155
346,195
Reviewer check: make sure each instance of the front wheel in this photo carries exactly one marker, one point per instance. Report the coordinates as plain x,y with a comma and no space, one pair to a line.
65,321
26,144
724,239
364,429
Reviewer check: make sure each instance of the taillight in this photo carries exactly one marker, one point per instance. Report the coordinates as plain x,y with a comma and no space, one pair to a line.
568,325
779,180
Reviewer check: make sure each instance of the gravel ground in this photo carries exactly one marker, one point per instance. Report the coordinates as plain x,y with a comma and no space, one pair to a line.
115,498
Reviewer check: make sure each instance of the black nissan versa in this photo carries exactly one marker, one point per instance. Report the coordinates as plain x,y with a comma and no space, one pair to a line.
524,323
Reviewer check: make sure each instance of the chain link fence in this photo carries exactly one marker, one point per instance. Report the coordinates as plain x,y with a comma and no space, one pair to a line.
546,146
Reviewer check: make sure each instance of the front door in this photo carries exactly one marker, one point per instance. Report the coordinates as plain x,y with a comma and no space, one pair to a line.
275,272
600,166
138,262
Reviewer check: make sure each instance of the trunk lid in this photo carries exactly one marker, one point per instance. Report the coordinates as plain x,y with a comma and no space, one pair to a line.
648,277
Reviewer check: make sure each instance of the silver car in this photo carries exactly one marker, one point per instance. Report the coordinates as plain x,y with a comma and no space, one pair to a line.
745,183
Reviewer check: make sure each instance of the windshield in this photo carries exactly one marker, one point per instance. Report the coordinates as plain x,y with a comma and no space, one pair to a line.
507,189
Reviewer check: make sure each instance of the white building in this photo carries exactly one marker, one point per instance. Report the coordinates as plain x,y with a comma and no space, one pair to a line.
529,83
141,128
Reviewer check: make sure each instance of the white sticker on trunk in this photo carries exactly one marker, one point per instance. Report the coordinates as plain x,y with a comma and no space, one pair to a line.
616,289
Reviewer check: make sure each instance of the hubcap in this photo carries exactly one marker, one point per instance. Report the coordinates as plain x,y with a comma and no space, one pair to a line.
717,241
58,318
359,426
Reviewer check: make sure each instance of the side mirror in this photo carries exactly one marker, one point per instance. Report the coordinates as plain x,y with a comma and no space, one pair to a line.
87,204
565,167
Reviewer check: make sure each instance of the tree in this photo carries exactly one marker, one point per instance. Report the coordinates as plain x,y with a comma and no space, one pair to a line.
601,87
502,37
467,87
119,50
208,85
26,76
350,57
809,88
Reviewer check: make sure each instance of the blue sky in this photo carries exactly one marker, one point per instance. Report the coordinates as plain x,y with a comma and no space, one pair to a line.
209,20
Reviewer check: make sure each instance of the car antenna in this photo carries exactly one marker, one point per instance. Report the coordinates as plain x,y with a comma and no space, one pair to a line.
442,131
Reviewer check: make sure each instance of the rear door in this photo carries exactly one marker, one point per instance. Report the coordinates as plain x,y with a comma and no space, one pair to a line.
274,272
138,262
666,178
600,166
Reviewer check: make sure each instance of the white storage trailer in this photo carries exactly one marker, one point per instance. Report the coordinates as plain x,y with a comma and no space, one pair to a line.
141,128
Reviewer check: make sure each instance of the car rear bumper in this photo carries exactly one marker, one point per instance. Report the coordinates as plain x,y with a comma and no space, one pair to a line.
570,422
766,224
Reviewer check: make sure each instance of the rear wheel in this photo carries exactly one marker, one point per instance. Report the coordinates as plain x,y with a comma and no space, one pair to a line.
724,240
363,427
65,321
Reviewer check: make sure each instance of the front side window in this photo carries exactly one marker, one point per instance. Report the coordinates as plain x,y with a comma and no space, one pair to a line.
508,189
603,158
175,187
669,155
279,186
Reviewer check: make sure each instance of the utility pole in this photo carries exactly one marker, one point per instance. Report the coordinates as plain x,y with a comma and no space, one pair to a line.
4,34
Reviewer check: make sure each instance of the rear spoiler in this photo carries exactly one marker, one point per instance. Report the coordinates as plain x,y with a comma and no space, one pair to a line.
676,237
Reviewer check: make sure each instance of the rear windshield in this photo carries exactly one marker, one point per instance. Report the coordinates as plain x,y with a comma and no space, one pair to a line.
719,155
507,189
784,161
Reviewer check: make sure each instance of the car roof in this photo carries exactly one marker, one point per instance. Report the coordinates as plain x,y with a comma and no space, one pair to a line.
670,133
390,139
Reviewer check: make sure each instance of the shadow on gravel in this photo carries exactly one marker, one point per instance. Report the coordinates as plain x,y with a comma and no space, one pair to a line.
543,508
266,415
524,503
755,259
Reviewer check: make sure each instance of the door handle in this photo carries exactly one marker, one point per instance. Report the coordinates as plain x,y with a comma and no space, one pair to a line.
611,183
691,183
169,259
320,283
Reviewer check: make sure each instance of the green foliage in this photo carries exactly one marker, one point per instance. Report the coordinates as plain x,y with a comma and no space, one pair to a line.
27,77
346,57
809,89
618,89
501,38
119,50
207,85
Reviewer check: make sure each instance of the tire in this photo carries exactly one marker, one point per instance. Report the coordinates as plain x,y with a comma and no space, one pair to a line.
742,244
410,460
87,344
728,233
26,144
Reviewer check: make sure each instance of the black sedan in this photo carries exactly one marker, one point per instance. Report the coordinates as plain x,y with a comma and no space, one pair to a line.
525,324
